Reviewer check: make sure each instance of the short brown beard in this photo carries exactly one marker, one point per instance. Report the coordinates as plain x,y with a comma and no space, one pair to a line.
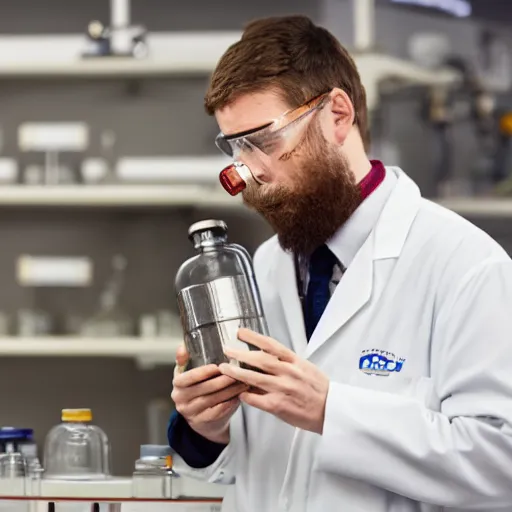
324,197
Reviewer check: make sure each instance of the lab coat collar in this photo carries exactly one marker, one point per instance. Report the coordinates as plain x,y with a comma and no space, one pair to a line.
347,241
385,241
397,217
344,244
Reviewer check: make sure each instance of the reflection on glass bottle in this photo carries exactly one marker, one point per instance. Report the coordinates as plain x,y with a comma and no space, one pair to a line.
110,320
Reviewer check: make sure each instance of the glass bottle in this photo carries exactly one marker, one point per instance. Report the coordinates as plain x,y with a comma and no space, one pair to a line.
76,449
217,294
111,320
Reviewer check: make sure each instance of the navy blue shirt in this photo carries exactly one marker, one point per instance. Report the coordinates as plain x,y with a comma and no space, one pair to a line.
193,448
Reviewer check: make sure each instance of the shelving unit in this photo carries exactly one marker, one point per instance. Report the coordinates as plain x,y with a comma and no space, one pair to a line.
117,196
121,67
147,352
60,56
167,195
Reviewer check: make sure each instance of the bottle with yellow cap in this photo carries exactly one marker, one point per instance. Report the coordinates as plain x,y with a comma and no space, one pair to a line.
76,449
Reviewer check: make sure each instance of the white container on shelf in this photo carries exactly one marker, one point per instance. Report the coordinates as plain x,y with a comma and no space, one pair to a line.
200,170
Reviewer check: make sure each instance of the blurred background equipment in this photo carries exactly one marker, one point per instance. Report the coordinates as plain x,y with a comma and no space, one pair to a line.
110,320
120,38
377,67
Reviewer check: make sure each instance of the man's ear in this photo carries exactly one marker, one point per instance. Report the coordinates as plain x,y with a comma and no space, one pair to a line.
342,115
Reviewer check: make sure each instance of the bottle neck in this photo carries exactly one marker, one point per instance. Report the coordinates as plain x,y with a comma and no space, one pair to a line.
208,240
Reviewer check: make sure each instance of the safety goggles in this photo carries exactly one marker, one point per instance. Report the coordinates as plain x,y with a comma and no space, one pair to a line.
280,135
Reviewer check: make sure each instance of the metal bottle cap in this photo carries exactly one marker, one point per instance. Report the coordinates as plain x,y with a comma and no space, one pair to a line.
207,225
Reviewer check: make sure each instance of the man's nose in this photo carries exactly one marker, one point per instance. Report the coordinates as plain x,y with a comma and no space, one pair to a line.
257,168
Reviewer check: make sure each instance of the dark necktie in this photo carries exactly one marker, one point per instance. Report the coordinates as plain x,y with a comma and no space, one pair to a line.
321,266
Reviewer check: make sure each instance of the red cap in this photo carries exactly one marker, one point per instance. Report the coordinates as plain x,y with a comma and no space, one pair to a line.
231,180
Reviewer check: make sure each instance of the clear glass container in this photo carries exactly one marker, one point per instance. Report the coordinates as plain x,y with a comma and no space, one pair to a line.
17,443
153,475
20,440
76,449
110,321
13,480
13,465
217,294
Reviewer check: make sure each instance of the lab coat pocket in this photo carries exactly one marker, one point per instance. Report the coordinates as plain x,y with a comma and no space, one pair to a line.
419,388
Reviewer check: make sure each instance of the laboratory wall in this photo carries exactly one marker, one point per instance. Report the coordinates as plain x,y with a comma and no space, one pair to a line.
154,117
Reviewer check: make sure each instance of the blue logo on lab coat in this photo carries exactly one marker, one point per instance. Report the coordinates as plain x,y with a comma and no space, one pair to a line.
380,362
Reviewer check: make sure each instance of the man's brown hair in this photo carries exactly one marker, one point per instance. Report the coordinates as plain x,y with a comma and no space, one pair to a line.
294,56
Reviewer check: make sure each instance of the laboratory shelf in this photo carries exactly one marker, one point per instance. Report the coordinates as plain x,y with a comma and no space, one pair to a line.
107,67
116,195
479,207
167,195
60,56
181,195
147,352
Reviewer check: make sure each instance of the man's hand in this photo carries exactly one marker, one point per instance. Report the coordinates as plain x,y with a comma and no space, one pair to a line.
292,389
205,398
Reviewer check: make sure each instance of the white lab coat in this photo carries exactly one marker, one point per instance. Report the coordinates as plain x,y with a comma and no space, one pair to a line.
428,290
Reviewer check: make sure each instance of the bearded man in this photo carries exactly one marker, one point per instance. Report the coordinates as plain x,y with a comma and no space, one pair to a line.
386,384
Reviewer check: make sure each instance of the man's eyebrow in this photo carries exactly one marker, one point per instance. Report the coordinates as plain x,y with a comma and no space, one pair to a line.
246,132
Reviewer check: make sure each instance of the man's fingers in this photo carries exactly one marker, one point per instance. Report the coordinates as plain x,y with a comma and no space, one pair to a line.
205,388
217,411
178,370
196,375
202,403
263,360
267,344
251,378
257,399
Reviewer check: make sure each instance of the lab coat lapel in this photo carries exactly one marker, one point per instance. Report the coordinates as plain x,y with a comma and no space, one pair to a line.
288,293
385,241
351,294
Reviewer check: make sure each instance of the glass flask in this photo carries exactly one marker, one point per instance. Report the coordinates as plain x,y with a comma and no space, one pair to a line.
217,294
111,321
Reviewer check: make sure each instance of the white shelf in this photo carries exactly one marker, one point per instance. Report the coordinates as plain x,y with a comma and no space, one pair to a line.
170,53
131,195
147,352
117,195
117,489
105,67
481,207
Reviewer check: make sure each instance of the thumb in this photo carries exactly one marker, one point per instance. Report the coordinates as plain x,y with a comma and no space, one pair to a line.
181,355
181,359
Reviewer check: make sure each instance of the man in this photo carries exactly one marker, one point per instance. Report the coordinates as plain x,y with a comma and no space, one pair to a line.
387,380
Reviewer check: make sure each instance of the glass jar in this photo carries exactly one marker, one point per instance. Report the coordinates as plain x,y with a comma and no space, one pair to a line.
153,475
76,449
20,440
